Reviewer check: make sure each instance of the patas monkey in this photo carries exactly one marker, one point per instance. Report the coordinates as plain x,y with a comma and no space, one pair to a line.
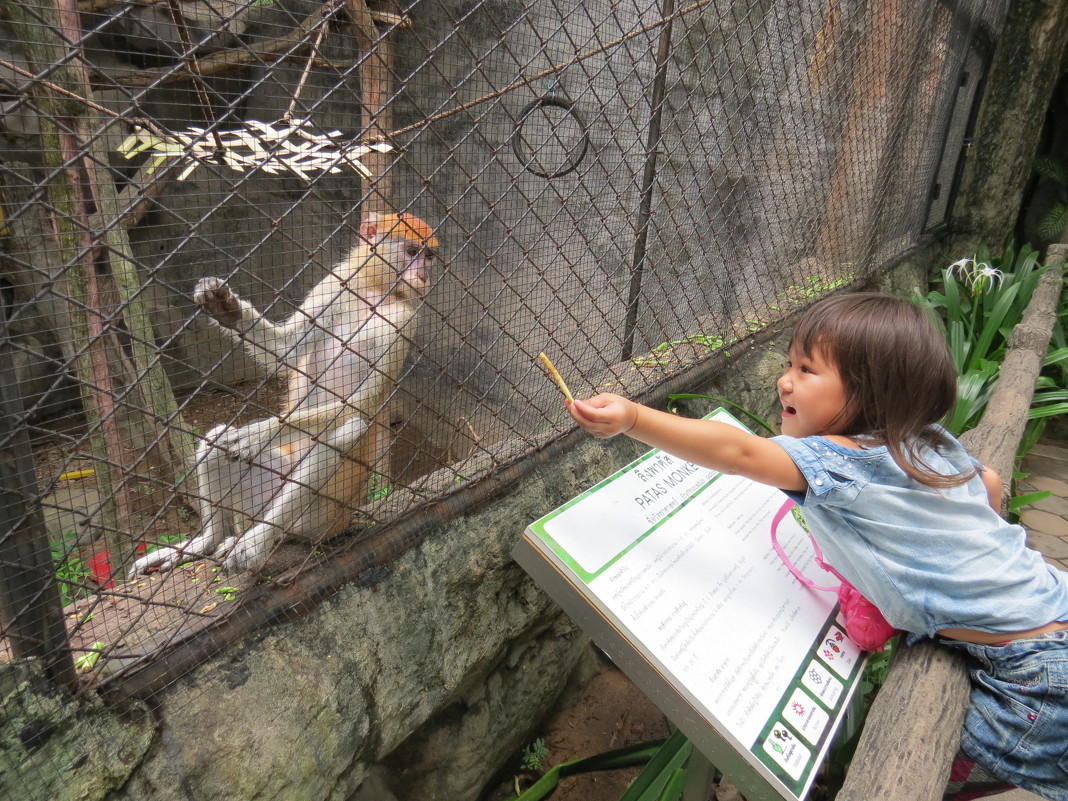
303,471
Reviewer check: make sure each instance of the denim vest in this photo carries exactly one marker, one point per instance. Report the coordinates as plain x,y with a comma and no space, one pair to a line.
929,558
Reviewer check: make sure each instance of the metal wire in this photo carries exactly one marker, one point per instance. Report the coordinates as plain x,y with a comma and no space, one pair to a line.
710,170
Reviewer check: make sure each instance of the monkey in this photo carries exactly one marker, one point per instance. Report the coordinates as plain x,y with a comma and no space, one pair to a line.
301,472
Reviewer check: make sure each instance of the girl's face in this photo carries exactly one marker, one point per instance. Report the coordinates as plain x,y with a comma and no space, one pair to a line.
812,395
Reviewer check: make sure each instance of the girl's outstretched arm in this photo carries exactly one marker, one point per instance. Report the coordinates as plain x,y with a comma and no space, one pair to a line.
719,446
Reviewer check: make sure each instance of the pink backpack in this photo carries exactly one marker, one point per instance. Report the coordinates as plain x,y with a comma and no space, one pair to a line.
864,623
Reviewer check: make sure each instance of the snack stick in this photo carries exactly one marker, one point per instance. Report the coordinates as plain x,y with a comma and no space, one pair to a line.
556,377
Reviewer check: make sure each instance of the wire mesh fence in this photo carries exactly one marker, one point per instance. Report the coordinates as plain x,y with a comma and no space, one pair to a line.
399,207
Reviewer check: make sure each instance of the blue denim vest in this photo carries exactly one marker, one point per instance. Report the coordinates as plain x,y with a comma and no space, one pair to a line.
930,559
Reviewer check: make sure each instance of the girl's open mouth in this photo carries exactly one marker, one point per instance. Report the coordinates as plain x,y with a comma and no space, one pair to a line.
789,411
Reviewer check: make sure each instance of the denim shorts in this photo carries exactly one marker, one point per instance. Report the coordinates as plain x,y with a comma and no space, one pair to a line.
1017,722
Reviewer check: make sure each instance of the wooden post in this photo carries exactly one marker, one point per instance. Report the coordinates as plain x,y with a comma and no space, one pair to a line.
31,614
85,207
376,73
905,756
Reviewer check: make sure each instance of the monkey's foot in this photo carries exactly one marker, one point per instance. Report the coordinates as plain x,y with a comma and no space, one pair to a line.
170,557
246,551
218,300
247,443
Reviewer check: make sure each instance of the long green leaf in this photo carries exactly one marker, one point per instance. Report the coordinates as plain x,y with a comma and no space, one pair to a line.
648,784
973,391
1027,260
673,789
1055,393
931,308
610,760
1019,501
958,344
952,296
991,326
1055,356
1039,412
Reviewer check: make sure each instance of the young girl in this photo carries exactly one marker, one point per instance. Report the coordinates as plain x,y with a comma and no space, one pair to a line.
907,516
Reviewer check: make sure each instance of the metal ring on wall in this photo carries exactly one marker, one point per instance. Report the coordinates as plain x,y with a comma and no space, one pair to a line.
528,160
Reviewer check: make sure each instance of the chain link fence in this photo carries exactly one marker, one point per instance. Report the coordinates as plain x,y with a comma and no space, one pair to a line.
630,189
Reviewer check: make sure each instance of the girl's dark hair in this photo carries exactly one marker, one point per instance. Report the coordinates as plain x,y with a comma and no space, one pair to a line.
897,372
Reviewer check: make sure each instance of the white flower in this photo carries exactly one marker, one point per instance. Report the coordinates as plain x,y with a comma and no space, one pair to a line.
977,276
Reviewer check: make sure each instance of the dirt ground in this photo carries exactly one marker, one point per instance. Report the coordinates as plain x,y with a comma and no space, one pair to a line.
610,713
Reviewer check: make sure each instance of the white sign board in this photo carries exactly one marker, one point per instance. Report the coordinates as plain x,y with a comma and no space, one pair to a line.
669,568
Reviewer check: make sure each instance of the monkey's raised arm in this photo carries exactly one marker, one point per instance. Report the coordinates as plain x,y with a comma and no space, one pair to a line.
268,343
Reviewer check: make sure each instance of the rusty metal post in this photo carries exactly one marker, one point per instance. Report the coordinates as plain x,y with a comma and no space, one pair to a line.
31,614
652,150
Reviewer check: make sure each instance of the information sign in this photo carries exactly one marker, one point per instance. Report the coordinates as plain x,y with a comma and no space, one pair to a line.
669,568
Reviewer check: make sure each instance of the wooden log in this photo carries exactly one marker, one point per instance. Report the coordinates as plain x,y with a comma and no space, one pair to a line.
913,728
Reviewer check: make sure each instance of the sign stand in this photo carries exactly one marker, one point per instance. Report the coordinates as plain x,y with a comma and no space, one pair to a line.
700,774
668,567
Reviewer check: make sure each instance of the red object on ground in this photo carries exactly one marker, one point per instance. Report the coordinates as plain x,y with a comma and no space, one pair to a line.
100,569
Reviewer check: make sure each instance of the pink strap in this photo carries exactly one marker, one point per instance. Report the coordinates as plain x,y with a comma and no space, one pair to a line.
783,511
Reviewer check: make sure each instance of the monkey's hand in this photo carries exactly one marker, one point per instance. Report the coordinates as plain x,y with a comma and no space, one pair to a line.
218,300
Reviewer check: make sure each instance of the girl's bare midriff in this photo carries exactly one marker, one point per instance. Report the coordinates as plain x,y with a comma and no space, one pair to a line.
990,638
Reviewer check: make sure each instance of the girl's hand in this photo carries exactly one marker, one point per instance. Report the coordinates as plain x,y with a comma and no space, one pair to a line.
604,415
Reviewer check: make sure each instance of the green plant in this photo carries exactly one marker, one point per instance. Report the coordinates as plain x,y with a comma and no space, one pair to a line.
660,780
845,744
378,487
534,755
71,572
696,340
1017,502
983,298
1056,217
815,286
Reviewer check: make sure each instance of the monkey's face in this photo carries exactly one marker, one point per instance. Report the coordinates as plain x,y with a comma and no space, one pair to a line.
417,261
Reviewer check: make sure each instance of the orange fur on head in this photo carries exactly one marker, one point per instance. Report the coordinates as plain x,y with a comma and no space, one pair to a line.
403,225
